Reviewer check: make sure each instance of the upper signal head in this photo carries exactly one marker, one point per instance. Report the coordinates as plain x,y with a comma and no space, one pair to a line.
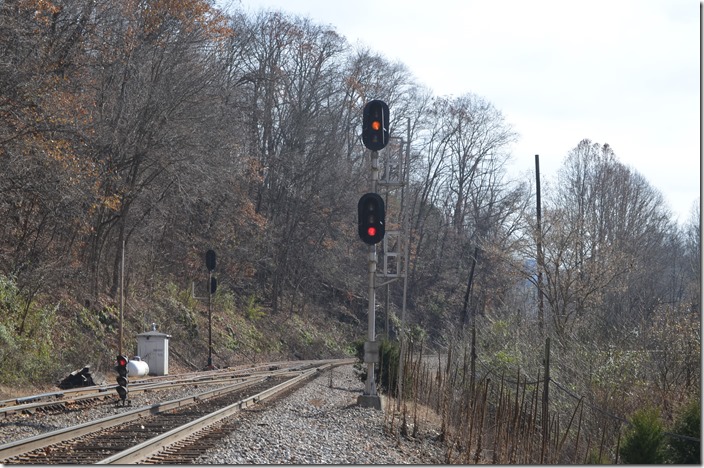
375,125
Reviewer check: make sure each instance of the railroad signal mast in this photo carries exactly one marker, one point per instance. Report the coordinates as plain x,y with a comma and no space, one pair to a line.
122,381
371,226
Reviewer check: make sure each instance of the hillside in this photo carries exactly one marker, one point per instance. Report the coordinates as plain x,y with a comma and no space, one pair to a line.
144,134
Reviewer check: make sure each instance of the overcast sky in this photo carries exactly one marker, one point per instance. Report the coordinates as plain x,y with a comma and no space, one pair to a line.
622,72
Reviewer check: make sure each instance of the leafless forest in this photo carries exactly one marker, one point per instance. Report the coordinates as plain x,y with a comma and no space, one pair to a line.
171,127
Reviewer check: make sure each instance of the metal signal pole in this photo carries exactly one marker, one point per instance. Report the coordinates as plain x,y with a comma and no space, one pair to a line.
210,321
375,136
370,398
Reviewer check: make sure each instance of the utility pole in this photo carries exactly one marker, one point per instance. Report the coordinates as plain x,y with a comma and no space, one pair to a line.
539,242
545,418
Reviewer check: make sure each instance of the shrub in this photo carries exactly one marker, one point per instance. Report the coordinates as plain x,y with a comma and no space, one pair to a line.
27,349
688,423
254,310
643,443
388,366
594,459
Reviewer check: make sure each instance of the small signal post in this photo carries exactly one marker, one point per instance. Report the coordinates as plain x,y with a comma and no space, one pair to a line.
210,260
122,380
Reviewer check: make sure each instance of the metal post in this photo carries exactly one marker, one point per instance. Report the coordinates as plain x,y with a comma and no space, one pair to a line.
405,221
387,308
210,265
210,320
370,387
371,349
375,169
371,330
122,295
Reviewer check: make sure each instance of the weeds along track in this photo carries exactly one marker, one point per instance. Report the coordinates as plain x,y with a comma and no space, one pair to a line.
165,432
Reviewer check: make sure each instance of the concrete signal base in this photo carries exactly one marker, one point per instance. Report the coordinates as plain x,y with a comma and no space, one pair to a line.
369,401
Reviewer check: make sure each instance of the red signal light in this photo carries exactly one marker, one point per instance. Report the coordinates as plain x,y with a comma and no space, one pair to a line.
376,125
121,361
371,231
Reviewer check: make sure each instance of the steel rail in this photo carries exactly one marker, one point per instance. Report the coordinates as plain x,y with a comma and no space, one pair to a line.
20,447
135,387
186,378
43,440
137,383
162,442
104,393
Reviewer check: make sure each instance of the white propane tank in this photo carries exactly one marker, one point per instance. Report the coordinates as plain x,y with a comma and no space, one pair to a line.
137,368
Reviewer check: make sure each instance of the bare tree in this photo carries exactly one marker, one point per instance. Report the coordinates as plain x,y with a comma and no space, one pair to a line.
150,87
461,185
43,123
605,233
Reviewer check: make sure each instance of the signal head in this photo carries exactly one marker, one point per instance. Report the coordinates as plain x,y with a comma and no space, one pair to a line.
375,125
371,218
121,365
121,368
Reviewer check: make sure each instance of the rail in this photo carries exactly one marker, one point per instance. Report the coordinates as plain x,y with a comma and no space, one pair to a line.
21,451
161,442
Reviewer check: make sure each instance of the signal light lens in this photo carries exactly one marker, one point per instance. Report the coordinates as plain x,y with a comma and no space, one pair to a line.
376,125
371,230
121,361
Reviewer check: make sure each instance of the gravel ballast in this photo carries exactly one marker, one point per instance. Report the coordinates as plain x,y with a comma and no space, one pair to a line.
320,424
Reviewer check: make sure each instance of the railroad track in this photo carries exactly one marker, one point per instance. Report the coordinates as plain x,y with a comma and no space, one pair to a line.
176,431
54,402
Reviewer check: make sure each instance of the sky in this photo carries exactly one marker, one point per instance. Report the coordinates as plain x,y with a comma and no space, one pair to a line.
622,72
